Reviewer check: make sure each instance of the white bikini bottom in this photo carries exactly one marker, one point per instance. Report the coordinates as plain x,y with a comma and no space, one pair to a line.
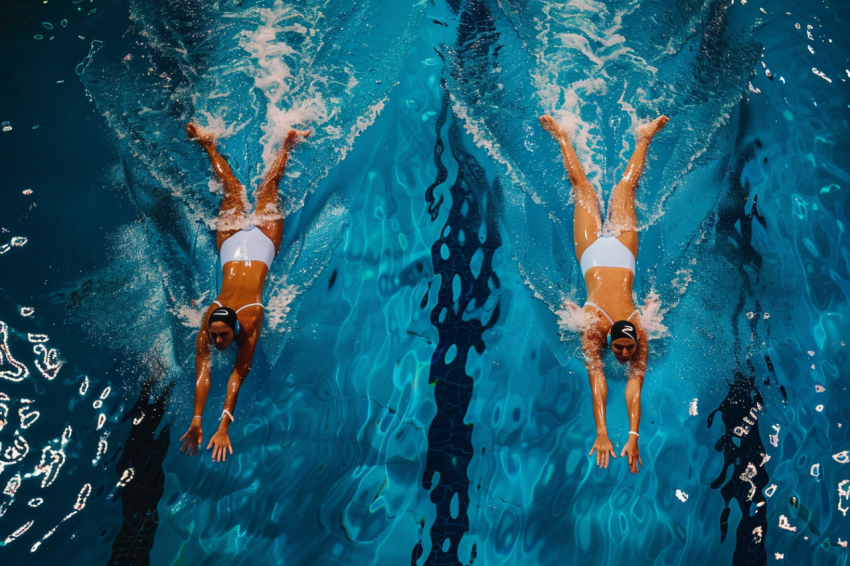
248,245
606,251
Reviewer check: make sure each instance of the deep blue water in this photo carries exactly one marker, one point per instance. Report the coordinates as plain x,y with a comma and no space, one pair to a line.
418,395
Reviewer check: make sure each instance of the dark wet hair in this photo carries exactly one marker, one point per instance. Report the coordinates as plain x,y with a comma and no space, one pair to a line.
624,329
225,315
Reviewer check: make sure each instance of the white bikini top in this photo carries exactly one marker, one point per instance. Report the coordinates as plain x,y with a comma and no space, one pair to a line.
243,307
606,251
248,245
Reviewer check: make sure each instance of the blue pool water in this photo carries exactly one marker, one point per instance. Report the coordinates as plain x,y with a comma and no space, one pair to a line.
418,395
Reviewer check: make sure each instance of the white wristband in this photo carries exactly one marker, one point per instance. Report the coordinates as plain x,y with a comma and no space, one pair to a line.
226,412
196,417
633,432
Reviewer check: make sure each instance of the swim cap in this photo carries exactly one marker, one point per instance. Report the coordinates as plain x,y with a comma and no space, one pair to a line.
624,329
225,315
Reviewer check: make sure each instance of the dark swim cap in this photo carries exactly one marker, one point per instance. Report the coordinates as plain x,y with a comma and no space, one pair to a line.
624,329
225,315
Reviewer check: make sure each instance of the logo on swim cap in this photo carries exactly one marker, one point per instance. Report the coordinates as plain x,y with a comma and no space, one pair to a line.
220,311
623,329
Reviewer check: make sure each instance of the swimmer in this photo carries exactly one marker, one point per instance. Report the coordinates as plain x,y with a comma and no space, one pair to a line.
237,313
608,266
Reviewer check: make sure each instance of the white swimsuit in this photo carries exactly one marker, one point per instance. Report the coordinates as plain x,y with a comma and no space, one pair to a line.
248,245
606,251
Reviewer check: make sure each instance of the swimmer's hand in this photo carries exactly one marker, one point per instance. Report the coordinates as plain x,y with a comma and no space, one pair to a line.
631,450
194,436
603,448
220,443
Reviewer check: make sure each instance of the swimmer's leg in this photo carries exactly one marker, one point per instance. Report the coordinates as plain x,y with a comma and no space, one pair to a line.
269,214
587,223
232,209
622,215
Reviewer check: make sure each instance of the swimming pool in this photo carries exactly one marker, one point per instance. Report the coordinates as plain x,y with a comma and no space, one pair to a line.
418,394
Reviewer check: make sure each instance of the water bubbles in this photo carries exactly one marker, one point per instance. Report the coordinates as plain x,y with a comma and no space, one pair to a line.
843,494
39,37
47,25
6,127
63,23
784,524
49,363
28,417
126,477
27,311
821,75
18,533
681,495
85,386
81,498
97,404
19,241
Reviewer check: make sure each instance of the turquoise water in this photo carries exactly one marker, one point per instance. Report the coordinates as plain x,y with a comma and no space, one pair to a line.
418,394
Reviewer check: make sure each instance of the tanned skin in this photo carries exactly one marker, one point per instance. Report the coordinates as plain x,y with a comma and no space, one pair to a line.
609,287
242,284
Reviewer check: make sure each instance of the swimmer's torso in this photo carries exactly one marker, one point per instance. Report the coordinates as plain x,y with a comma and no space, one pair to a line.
611,289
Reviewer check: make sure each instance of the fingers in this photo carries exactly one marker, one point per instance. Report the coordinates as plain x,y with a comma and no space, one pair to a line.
591,451
184,436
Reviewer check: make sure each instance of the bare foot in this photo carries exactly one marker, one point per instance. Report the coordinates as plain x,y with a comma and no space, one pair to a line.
645,132
550,125
195,133
294,137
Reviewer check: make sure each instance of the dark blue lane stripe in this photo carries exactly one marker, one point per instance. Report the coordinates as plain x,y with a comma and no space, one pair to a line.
144,452
472,225
742,407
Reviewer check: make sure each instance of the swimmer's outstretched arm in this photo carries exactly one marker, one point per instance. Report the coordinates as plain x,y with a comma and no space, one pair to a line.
247,344
637,370
599,390
194,436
